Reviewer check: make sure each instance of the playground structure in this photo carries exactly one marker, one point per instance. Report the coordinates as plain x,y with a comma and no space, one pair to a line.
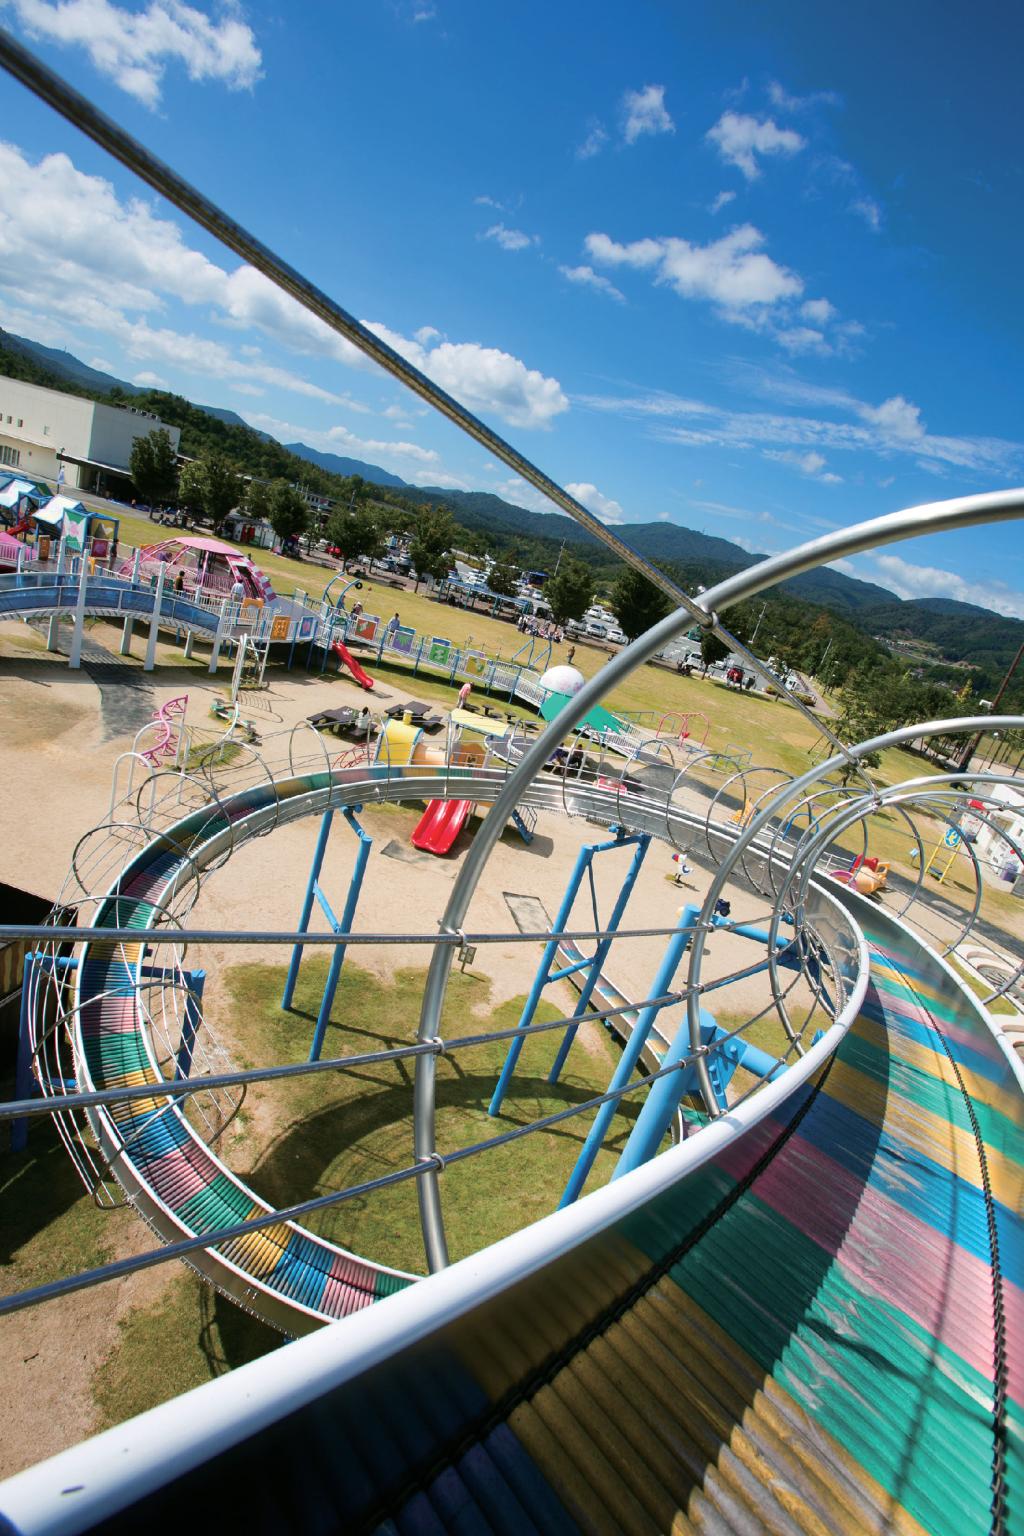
768,1325
207,566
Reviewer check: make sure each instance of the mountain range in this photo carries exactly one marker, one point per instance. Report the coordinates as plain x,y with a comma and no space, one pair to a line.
959,632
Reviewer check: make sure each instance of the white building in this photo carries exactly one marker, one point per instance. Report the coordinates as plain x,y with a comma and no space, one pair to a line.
41,429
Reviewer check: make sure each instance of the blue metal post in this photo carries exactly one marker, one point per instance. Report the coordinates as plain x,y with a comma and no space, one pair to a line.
631,1052
23,1072
307,906
543,975
190,1025
643,842
344,927
662,1102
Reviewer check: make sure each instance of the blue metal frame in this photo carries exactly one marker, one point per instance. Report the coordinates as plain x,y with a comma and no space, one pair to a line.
631,1052
544,975
341,926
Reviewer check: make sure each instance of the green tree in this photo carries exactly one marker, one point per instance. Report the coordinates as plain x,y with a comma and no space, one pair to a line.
712,649
432,543
503,578
153,465
288,512
257,500
211,487
637,603
192,488
570,592
357,534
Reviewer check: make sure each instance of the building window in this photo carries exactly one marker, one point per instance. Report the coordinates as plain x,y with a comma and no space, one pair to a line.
9,456
46,431
20,422
8,421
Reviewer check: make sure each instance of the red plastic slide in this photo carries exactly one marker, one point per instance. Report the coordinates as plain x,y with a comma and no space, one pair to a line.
346,658
440,825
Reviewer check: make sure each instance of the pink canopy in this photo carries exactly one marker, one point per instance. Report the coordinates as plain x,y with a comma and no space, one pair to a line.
210,565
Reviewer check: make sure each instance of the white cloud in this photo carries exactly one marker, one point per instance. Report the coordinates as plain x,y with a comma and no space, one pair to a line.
801,338
721,201
148,380
912,581
596,139
339,439
424,13
781,98
116,265
604,507
818,311
133,47
733,272
896,419
522,494
489,202
887,431
741,138
645,112
591,279
869,211
811,464
510,239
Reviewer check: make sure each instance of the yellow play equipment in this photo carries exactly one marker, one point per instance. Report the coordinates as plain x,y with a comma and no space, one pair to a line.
403,744
948,847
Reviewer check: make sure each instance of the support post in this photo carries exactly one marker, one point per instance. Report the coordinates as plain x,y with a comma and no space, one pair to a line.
190,637
191,1022
135,567
662,1101
307,906
631,1052
154,622
343,928
218,637
75,654
126,635
543,975
643,842
23,1071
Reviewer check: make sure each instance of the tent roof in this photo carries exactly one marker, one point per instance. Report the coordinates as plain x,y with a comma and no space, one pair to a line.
9,547
57,507
598,718
16,488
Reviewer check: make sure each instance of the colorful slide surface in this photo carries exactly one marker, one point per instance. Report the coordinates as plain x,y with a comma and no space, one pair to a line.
440,825
346,658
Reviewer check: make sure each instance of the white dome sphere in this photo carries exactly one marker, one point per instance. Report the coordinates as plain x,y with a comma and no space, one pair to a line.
563,679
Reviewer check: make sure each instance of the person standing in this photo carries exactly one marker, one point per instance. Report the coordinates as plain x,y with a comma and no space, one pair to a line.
570,653
464,693
393,624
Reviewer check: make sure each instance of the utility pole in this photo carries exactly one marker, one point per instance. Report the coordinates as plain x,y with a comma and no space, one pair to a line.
972,745
757,626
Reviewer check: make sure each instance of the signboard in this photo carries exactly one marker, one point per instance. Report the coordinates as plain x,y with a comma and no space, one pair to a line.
306,628
475,663
75,525
365,627
439,651
402,639
279,628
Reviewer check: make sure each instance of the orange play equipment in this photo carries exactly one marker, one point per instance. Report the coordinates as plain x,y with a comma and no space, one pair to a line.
867,876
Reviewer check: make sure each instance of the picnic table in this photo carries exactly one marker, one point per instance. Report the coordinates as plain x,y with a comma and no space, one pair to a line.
344,719
418,712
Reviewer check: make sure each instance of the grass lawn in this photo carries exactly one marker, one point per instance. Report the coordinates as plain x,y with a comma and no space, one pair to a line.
329,1133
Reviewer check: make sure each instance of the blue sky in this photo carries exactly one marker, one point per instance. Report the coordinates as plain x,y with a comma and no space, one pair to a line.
750,269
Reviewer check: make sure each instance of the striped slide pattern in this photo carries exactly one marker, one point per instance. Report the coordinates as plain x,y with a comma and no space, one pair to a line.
800,1336
291,1277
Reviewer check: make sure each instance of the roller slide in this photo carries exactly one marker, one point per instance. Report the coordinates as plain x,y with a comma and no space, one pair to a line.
817,1328
346,658
440,825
